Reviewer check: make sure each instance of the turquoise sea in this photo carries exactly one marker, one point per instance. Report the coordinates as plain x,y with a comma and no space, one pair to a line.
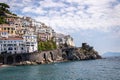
102,69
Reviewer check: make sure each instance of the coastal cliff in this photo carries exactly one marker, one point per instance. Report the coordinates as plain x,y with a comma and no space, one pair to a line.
85,52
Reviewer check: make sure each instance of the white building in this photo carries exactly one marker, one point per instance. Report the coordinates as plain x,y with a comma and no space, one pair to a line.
17,45
69,40
59,39
3,34
30,41
12,45
62,39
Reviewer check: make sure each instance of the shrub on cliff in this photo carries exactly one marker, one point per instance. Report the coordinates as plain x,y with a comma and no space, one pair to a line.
47,45
4,8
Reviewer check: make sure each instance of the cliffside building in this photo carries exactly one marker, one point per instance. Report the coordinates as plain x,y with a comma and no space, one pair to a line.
30,41
10,29
62,40
12,45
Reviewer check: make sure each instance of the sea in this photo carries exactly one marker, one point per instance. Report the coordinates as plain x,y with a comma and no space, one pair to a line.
101,69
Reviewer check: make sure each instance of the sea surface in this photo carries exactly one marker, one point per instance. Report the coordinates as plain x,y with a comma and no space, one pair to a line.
102,69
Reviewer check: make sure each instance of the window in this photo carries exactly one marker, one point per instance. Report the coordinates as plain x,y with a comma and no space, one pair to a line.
10,45
5,33
8,28
4,44
4,28
0,41
27,42
10,48
21,48
4,48
11,31
14,48
15,44
13,28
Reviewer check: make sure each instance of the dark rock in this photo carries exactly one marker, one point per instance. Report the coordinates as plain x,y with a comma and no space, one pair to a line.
86,52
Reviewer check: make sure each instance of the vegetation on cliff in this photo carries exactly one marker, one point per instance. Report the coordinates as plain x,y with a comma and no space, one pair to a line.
4,9
47,45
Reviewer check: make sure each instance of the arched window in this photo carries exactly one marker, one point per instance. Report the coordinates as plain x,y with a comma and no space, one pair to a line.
10,48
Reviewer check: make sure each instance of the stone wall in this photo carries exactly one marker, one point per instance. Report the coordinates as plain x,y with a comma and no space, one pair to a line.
83,53
38,57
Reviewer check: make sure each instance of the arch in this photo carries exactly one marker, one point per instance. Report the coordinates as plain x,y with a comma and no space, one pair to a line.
44,56
4,52
18,58
9,60
1,59
67,53
51,54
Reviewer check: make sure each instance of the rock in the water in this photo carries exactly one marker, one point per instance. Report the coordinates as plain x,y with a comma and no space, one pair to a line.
86,52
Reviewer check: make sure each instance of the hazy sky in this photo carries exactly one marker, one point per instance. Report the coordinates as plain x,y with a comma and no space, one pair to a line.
96,22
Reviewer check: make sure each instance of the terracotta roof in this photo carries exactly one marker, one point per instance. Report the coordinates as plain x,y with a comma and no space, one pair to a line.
43,34
2,31
11,38
6,25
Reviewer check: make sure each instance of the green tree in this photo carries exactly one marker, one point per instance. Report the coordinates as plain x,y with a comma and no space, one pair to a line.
4,8
47,45
2,20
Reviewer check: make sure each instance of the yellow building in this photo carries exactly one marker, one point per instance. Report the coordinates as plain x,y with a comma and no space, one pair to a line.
8,28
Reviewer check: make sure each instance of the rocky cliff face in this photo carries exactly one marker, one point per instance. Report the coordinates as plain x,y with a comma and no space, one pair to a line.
85,52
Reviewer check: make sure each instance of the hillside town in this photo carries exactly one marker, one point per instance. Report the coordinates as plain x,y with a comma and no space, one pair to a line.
24,40
23,35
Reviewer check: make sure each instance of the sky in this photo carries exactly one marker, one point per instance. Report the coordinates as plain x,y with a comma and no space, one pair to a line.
96,22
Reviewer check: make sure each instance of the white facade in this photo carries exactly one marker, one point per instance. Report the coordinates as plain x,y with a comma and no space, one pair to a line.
69,41
59,39
30,41
12,45
3,34
45,30
17,45
26,21
62,39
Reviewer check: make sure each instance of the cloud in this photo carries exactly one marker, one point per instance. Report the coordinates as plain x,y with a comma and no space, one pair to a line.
51,3
71,14
92,21
97,15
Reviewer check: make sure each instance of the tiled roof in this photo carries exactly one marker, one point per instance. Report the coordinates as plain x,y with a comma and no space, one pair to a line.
6,25
2,31
11,38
